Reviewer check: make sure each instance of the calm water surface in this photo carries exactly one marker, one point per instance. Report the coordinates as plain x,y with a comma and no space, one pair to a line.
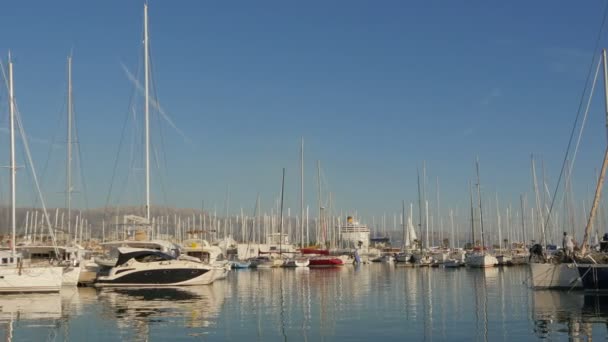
344,304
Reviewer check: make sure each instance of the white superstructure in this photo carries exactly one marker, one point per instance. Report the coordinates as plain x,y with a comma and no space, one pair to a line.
354,234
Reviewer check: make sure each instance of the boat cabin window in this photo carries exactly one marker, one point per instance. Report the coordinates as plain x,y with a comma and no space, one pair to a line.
150,258
41,255
5,260
11,260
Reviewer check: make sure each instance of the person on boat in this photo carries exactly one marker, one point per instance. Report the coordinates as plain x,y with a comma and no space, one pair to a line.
537,251
604,243
568,245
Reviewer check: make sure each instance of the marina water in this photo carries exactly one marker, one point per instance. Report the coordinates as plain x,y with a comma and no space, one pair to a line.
350,303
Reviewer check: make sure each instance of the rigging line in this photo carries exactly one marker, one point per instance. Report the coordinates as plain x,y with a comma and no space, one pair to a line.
52,144
120,144
578,114
122,137
33,175
156,105
79,161
580,134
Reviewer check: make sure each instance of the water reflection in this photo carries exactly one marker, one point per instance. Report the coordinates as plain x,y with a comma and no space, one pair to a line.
138,311
342,304
358,304
579,315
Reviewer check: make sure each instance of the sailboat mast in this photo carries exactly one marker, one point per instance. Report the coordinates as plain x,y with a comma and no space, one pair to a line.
147,110
68,181
281,218
472,215
403,224
13,167
452,240
419,208
538,206
522,199
498,223
319,224
480,209
302,193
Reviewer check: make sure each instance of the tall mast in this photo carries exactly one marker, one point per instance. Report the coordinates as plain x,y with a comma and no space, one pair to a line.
302,193
147,110
424,200
68,181
472,215
480,209
319,228
281,218
403,224
538,205
13,167
452,239
419,208
498,224
523,218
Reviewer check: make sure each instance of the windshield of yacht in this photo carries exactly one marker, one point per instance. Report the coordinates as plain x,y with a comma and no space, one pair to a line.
143,256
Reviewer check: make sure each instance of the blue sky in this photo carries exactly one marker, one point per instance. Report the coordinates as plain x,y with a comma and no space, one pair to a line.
375,89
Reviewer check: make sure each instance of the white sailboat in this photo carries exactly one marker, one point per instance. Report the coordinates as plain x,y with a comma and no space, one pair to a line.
480,259
69,255
14,276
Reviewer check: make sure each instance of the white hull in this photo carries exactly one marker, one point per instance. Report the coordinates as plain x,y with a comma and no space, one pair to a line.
159,274
70,276
296,263
220,273
555,276
481,261
302,263
88,272
30,279
405,257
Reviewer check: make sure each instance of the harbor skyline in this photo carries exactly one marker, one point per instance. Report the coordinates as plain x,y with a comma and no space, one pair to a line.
375,91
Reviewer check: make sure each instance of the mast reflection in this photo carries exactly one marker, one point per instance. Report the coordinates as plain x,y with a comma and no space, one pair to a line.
580,315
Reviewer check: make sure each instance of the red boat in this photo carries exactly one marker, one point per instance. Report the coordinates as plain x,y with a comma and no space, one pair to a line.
313,250
325,262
